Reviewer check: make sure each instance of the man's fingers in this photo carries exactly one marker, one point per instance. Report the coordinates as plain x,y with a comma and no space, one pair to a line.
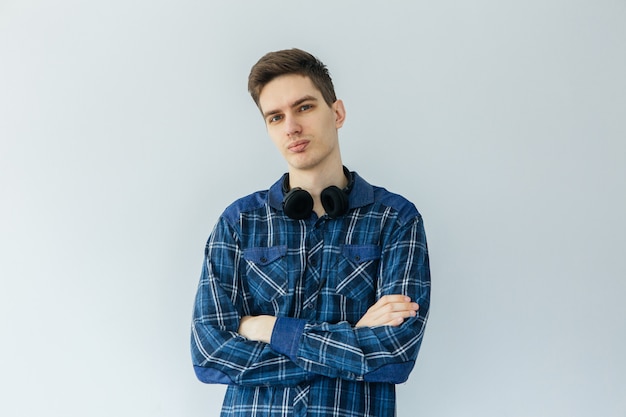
389,310
397,319
393,298
396,299
391,306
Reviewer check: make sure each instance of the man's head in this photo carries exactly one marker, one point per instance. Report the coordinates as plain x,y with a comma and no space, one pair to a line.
290,61
302,115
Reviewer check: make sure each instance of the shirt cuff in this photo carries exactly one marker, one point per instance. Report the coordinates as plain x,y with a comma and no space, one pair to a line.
286,336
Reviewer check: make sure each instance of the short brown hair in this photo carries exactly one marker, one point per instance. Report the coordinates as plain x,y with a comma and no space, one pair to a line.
290,61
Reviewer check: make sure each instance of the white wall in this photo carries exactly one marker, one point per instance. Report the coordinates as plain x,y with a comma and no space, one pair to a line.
126,128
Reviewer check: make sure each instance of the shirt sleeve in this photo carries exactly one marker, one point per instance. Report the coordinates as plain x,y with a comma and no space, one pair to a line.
375,354
219,353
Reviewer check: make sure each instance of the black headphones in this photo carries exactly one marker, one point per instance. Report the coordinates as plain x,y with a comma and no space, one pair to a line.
298,203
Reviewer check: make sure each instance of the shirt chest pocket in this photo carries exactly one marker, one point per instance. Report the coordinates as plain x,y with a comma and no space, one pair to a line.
266,272
357,272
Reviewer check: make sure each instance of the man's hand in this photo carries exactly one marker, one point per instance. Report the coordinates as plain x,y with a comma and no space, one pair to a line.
258,328
390,310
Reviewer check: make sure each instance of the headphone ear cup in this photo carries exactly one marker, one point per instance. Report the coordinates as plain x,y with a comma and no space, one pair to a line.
334,201
298,204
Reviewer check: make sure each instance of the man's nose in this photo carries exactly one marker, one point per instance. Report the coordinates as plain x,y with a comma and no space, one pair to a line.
292,126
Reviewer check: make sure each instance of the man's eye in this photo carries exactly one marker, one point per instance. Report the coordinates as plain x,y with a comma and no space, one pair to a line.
305,107
274,119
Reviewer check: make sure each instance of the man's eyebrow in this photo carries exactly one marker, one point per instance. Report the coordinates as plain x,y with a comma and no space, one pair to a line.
294,104
302,100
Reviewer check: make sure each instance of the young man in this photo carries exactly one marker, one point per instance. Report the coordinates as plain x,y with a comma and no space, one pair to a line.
314,294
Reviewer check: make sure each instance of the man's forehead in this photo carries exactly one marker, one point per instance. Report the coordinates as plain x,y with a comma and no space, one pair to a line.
287,90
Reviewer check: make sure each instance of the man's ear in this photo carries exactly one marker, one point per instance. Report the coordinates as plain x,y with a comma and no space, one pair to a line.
340,113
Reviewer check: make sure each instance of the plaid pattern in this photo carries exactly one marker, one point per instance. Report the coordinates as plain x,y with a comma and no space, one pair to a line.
319,276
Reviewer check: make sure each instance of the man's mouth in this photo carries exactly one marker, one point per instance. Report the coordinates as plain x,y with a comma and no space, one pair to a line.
298,146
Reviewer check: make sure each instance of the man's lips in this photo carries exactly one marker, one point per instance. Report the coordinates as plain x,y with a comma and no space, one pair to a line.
298,146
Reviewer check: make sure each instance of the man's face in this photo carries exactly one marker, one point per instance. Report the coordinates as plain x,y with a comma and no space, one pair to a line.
300,123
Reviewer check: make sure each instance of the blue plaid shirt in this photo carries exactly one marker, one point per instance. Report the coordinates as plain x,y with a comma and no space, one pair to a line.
318,276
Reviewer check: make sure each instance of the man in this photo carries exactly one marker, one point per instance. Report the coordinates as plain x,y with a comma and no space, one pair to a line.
314,294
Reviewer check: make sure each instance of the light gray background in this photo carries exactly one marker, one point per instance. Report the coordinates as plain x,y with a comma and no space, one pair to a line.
126,128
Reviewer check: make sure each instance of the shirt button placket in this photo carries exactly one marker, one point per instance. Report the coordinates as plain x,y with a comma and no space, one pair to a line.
313,276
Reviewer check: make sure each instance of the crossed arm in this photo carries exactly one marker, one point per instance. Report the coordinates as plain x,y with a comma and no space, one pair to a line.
390,310
252,350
